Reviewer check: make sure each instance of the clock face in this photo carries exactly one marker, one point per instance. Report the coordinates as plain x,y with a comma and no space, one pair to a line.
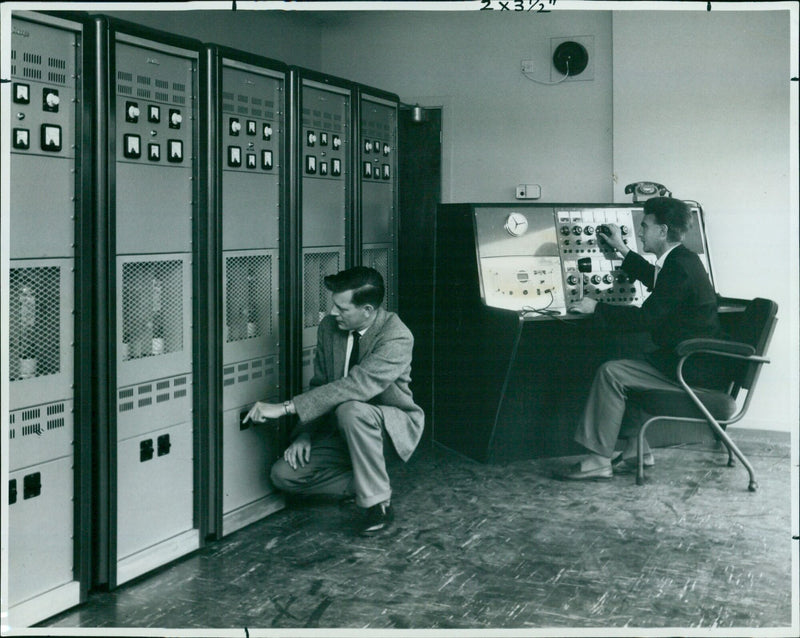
516,224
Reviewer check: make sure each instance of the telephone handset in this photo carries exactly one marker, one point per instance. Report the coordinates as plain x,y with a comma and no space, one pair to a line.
645,190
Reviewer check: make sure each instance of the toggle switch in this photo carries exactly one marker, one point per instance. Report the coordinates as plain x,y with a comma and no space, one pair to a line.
266,131
336,167
154,152
367,146
153,113
234,126
12,491
336,142
311,138
323,139
50,100
242,424
251,160
251,127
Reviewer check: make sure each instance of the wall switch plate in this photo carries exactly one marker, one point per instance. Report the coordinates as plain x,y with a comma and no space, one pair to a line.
529,191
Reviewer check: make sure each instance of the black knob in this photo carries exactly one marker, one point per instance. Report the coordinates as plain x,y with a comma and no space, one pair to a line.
565,230
595,279
577,230
572,280
608,279
589,230
623,229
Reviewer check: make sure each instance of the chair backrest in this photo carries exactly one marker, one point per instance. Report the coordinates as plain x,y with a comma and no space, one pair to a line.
754,326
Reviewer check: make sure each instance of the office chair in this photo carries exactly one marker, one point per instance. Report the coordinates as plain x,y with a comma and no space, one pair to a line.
749,338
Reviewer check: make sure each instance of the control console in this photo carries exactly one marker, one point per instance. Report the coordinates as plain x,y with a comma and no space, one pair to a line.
590,266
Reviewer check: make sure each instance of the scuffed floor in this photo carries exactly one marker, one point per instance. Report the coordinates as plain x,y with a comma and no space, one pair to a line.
499,546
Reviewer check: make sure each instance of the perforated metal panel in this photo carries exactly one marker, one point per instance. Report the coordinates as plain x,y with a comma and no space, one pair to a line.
380,258
248,297
316,297
152,308
35,322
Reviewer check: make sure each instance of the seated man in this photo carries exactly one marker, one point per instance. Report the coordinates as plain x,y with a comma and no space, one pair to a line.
682,305
359,393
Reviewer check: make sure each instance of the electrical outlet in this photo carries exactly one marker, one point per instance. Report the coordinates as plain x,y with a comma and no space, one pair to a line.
587,41
529,191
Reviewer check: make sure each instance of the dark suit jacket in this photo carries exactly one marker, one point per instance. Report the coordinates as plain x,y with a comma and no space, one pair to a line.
381,377
682,305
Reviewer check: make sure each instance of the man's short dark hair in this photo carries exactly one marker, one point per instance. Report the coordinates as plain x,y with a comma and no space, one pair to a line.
673,213
366,284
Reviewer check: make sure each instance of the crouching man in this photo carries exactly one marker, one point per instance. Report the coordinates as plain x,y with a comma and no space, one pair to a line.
358,395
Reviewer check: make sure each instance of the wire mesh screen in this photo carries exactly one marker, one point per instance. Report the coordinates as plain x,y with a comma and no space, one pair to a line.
34,322
152,308
248,297
317,298
378,258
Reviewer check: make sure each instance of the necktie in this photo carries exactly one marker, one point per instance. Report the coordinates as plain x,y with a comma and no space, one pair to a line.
354,352
655,275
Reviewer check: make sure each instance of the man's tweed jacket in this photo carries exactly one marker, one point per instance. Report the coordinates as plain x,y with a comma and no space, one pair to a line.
381,377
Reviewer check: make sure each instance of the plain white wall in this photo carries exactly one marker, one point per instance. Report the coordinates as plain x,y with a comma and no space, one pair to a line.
500,129
701,104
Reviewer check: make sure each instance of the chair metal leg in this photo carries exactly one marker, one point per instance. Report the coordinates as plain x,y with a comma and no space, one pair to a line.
640,453
717,428
753,485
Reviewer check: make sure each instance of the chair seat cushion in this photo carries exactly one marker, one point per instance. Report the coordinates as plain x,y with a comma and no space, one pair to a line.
677,403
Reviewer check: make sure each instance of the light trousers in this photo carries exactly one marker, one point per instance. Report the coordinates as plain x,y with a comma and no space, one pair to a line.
608,413
347,461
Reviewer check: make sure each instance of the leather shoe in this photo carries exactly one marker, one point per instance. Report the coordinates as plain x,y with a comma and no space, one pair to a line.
379,517
575,473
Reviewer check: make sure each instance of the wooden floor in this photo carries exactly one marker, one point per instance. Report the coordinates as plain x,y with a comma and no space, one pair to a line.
499,546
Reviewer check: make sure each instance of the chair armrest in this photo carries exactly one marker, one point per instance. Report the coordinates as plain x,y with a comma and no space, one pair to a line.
691,346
